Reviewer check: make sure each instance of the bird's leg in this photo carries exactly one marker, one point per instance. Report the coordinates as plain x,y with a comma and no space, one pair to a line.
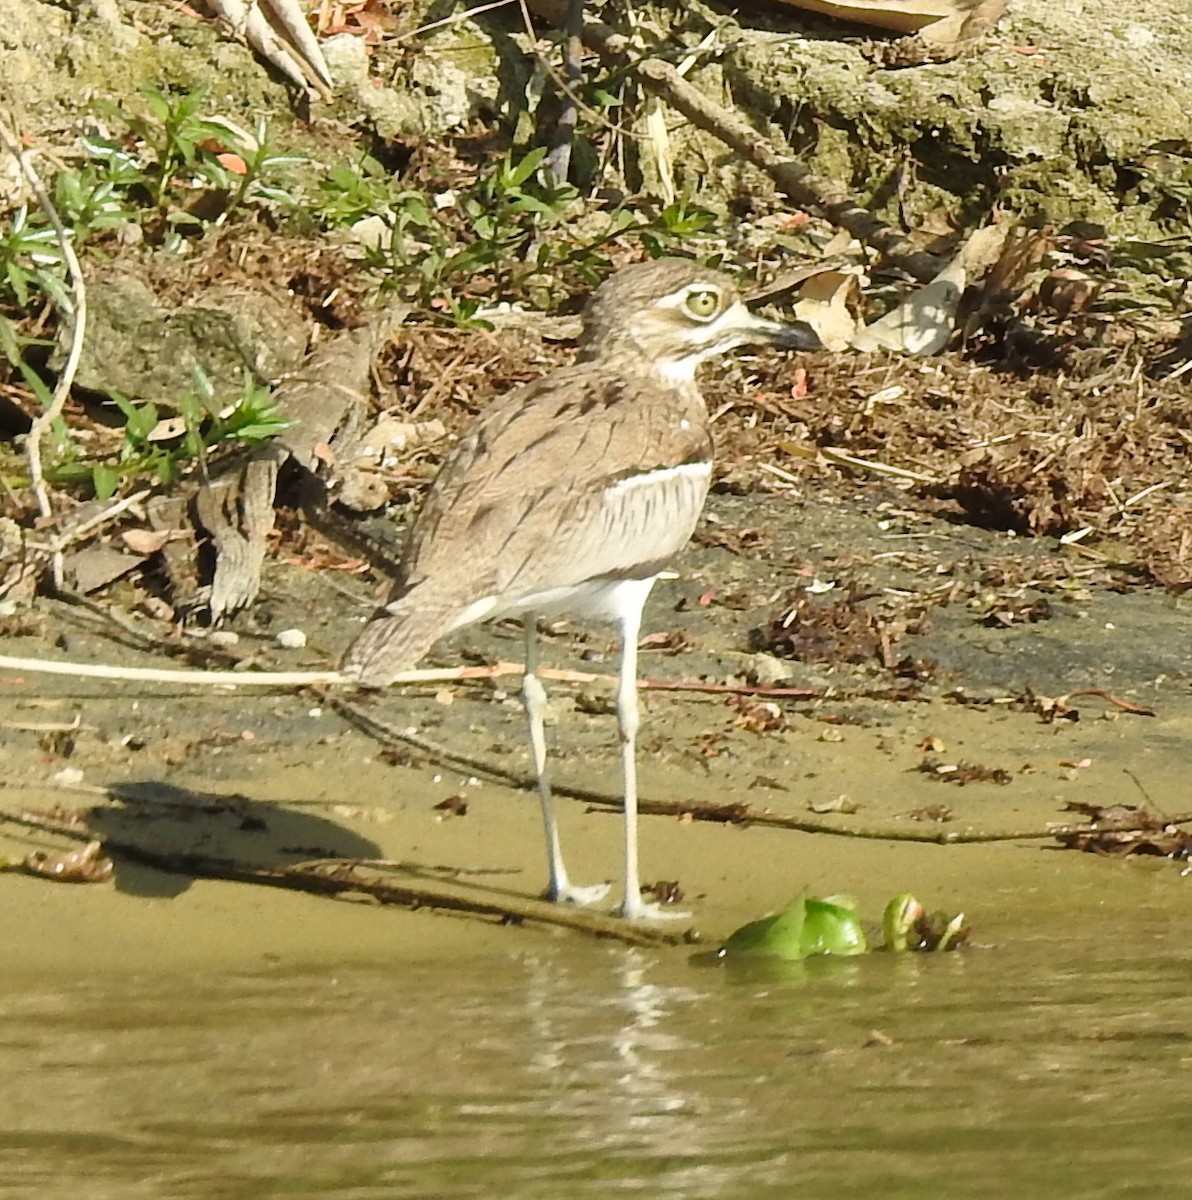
633,907
534,698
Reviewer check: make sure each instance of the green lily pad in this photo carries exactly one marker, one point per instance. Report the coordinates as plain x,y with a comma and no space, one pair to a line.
808,926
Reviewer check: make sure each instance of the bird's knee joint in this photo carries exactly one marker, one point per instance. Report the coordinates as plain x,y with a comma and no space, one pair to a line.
627,722
534,692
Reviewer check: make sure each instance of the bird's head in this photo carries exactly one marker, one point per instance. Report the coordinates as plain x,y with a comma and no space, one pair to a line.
676,314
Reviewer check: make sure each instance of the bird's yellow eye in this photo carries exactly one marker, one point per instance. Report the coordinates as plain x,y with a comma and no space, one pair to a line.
703,304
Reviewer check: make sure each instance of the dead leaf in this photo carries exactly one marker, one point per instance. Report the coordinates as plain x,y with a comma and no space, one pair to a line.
390,438
961,773
232,162
167,429
824,304
663,891
85,865
842,804
147,541
1122,829
923,323
1066,291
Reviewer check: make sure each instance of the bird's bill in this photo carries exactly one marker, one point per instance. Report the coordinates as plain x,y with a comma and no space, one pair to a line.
791,335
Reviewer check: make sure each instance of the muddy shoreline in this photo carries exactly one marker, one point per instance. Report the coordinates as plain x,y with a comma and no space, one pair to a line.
281,778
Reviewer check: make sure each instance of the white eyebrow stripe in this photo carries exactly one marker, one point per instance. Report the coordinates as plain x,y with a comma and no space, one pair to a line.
680,297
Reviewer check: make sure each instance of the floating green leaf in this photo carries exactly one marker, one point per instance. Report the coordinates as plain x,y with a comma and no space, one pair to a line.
807,927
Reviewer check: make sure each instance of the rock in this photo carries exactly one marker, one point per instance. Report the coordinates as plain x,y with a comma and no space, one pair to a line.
95,566
1056,114
145,349
767,671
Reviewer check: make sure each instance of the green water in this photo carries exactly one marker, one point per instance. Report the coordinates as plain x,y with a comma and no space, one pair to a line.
1043,1069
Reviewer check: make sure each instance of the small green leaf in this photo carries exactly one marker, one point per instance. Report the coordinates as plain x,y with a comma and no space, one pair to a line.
203,385
898,921
514,177
141,422
105,480
602,99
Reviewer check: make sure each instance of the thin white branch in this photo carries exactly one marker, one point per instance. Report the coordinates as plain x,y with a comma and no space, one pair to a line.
463,15
69,536
200,678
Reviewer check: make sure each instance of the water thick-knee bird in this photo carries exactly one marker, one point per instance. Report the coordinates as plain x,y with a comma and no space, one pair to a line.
569,495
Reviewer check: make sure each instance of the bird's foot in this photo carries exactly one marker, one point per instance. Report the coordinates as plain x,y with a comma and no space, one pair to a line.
639,910
571,893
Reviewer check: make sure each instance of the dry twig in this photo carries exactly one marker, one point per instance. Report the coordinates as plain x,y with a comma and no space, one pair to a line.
248,678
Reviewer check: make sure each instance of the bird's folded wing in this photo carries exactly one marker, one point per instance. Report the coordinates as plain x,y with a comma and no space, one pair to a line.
578,477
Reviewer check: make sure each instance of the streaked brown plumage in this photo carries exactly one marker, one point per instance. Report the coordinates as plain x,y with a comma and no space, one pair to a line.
572,493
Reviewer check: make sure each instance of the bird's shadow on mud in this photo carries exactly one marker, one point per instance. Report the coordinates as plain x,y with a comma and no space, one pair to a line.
177,826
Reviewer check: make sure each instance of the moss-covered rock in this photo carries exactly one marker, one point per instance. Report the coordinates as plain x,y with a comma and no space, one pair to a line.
1066,112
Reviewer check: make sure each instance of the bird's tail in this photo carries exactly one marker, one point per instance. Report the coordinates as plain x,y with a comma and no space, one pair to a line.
393,641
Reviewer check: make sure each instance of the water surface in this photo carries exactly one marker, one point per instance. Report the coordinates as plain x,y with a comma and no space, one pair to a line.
1043,1069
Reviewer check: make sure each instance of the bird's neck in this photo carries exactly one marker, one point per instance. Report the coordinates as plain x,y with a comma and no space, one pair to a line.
630,356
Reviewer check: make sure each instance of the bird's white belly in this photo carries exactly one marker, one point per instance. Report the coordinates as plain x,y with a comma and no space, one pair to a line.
641,522
593,599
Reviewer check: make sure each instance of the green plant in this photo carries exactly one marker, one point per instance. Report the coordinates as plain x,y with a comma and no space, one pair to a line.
170,130
515,233
13,345
171,158
676,223
346,194
89,203
31,262
31,266
163,448
252,175
431,245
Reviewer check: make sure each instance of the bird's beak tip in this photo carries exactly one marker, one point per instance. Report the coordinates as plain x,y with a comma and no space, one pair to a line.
790,335
796,335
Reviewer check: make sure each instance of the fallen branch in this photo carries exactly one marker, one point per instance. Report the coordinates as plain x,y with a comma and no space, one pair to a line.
721,814
336,878
743,814
383,731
